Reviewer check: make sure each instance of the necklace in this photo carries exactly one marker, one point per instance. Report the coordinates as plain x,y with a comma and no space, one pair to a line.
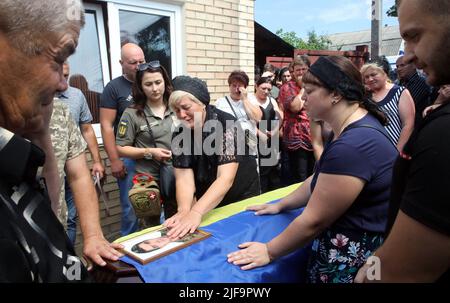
345,124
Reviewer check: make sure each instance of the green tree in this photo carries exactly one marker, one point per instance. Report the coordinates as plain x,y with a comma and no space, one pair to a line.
392,11
314,40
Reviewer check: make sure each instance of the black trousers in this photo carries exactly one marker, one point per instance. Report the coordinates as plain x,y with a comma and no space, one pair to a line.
301,163
285,169
269,178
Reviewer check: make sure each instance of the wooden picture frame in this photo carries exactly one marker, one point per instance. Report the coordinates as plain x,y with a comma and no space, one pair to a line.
154,244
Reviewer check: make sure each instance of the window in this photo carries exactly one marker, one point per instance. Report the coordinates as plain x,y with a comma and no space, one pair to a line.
155,26
89,70
150,32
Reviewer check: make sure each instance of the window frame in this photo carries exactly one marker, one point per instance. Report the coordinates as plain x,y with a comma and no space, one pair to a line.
101,32
111,68
145,7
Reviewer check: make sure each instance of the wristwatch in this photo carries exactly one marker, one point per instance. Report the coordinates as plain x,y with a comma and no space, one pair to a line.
148,155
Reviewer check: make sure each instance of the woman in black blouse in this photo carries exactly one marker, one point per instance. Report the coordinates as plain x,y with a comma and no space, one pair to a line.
208,150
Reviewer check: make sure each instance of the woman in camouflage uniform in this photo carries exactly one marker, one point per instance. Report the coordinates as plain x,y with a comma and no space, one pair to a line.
145,129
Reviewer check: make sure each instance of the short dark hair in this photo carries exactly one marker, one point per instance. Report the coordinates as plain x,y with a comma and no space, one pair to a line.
438,8
263,80
298,61
139,250
268,67
383,62
238,76
305,59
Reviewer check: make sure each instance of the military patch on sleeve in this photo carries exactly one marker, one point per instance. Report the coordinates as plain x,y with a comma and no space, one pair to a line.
122,130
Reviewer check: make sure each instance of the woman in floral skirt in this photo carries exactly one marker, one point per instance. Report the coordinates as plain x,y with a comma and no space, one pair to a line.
347,196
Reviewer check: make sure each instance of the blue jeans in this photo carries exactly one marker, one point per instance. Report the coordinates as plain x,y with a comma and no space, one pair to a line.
129,222
72,213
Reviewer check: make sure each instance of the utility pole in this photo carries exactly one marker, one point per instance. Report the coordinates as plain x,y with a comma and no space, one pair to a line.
376,33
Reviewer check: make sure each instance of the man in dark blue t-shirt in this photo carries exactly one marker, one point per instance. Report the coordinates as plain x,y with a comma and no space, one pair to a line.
116,97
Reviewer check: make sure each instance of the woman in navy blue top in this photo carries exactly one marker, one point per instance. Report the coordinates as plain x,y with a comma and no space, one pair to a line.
347,196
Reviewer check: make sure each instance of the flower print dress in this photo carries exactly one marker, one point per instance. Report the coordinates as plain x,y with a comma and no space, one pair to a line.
363,150
336,257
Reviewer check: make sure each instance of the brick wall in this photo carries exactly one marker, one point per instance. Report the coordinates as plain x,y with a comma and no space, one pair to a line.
219,39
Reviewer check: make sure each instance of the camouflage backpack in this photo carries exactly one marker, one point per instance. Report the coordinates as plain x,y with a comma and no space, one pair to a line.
145,197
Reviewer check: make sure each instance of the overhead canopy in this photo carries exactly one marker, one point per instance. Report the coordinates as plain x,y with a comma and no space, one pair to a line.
267,44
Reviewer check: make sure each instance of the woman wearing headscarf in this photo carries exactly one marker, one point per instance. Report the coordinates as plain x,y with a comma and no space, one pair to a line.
211,166
347,196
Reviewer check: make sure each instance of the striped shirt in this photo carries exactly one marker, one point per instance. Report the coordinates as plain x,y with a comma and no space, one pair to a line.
422,93
389,105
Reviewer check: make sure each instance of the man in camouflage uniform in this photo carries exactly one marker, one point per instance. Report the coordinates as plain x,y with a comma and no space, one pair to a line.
67,144
69,147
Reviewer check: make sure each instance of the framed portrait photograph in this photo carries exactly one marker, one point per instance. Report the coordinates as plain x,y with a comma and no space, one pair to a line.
155,244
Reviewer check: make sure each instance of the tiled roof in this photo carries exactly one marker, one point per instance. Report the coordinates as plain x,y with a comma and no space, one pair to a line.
390,44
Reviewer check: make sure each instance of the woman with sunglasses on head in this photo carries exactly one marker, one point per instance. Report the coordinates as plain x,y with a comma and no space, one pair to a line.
145,129
347,197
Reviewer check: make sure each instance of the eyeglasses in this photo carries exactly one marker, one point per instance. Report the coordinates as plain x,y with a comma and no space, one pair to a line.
152,64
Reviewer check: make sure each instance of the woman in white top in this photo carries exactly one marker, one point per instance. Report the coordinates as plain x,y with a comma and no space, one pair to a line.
238,105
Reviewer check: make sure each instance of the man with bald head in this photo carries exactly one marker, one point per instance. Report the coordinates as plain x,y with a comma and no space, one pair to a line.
422,93
404,70
131,56
116,97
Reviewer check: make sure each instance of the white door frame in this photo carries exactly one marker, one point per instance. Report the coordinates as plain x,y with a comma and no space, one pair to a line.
101,40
